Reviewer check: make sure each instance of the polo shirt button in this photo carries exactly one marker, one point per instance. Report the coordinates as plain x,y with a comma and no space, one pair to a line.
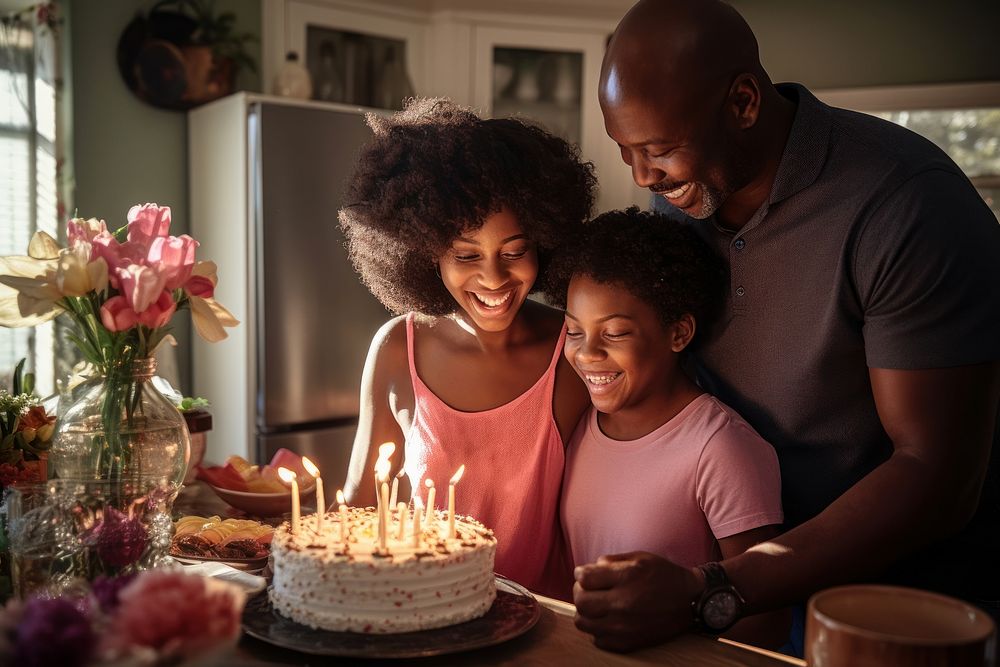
740,291
740,244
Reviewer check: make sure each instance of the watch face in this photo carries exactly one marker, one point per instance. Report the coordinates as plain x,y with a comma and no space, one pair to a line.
720,610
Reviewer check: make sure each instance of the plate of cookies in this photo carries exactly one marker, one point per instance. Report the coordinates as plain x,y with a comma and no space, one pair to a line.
244,544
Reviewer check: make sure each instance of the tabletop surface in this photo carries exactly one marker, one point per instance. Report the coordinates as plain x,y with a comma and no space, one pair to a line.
553,641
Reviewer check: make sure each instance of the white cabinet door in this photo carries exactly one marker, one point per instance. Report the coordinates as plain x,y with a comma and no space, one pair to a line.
411,28
551,76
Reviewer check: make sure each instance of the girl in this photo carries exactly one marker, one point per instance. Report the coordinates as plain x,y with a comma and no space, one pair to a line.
452,221
678,473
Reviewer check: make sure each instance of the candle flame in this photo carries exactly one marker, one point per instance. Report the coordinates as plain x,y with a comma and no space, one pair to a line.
382,465
310,467
399,475
340,497
286,475
429,483
458,474
418,503
385,450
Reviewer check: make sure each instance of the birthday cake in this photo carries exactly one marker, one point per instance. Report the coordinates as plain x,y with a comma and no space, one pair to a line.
355,585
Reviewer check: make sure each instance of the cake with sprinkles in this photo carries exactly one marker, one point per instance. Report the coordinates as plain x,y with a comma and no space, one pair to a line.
407,581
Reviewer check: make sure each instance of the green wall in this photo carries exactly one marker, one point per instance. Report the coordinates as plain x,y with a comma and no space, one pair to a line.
126,151
855,43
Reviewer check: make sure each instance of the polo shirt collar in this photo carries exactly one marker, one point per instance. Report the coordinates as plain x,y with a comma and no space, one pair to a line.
807,146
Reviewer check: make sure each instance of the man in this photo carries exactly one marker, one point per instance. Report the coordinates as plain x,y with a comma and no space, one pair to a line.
860,336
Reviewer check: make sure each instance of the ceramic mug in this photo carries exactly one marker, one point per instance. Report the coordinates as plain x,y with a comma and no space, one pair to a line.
890,626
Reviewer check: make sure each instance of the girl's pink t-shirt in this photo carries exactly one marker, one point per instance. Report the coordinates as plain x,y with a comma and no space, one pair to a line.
702,476
513,457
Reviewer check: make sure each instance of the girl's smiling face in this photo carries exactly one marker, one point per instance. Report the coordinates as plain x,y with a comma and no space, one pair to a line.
490,271
626,356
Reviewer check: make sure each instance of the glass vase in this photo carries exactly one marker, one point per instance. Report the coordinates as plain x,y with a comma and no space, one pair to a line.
122,431
66,532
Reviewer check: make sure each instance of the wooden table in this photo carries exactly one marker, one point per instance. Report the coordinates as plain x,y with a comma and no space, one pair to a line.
553,641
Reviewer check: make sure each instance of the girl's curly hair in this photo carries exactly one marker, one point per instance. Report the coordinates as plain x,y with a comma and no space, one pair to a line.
435,171
661,261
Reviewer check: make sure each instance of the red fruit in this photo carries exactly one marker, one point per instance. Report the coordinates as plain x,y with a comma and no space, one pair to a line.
286,458
224,477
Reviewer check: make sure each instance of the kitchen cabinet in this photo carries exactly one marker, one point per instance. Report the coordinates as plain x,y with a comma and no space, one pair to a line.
544,68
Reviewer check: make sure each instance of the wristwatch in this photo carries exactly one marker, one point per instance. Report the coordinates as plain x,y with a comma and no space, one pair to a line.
720,605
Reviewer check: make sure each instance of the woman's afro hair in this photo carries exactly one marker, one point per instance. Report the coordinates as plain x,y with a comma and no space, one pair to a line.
661,261
435,171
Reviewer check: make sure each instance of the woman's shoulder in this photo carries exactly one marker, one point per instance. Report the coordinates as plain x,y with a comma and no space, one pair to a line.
388,351
390,341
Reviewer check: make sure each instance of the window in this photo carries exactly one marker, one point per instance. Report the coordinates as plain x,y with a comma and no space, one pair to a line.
962,119
29,197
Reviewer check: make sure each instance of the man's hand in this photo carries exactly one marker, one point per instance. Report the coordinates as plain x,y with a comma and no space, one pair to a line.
632,600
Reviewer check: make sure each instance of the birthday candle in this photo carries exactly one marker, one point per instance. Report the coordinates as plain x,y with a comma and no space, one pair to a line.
395,488
451,500
320,500
288,476
343,516
428,522
403,514
418,507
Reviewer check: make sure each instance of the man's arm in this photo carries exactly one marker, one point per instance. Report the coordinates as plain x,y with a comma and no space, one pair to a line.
941,423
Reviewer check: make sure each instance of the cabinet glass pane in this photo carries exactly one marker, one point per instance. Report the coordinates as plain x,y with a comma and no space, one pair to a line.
544,86
355,68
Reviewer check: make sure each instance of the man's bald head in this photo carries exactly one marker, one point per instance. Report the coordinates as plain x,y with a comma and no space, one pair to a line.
666,49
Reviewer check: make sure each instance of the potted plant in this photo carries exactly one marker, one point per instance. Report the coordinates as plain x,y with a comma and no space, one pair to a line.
25,432
199,423
183,53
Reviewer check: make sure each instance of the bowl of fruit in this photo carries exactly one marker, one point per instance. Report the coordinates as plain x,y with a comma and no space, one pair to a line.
257,490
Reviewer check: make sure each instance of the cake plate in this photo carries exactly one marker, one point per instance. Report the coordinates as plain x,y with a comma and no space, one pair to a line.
514,612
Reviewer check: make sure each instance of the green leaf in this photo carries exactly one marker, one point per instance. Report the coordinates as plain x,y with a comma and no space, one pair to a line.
16,385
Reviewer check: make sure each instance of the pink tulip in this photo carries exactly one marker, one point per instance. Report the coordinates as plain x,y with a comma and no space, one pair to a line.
107,246
159,313
173,257
116,315
200,286
147,222
78,229
140,285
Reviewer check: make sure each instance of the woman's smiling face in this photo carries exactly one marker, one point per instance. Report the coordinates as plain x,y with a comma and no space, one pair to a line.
619,347
490,271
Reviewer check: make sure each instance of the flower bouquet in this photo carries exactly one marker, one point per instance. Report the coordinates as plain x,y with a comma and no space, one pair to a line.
120,291
149,618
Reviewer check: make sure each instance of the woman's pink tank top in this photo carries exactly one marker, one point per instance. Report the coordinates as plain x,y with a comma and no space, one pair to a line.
513,457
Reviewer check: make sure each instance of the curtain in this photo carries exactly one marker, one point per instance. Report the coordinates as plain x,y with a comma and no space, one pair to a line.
35,177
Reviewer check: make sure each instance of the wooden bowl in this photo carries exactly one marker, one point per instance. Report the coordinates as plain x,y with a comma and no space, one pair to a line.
263,504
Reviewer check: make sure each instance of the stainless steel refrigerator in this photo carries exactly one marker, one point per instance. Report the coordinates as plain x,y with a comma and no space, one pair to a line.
268,176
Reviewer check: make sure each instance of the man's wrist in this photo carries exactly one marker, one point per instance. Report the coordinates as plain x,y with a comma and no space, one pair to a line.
718,605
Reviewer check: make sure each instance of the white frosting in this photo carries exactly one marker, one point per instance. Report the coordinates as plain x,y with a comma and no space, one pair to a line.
320,583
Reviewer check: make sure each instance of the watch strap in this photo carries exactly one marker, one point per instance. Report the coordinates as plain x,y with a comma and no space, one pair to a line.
716,582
